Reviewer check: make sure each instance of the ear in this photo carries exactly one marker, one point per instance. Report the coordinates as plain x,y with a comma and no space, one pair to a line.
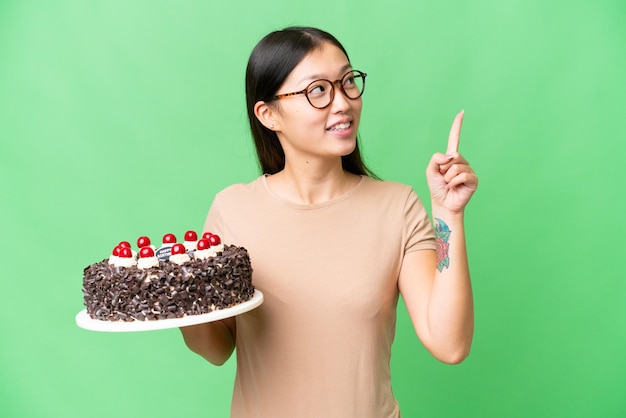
266,115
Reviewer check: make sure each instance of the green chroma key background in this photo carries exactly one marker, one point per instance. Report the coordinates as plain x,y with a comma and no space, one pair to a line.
119,119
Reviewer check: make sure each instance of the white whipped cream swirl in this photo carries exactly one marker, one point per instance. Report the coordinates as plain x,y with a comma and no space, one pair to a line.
125,262
209,252
190,245
147,262
180,258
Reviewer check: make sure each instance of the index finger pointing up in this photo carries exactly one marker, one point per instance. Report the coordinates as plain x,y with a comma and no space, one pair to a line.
455,133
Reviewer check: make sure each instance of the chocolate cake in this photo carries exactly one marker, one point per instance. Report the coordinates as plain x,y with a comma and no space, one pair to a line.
168,289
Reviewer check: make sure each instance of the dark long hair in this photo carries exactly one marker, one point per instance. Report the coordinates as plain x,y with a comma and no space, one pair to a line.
270,63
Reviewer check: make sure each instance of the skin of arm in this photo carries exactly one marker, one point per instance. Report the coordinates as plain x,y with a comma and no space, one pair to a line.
440,303
436,285
214,341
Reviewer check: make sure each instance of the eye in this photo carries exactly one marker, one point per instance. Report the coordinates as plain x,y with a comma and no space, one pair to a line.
317,89
349,81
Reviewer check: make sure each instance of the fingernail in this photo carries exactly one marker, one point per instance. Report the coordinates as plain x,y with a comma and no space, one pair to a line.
449,157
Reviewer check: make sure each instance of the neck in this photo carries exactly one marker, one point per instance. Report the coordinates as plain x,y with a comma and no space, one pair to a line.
312,182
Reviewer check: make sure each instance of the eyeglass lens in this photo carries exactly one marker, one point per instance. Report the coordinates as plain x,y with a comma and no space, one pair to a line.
321,93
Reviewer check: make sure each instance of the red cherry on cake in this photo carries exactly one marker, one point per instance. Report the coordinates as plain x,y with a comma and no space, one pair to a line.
125,252
203,244
191,236
206,235
169,239
215,240
125,244
146,252
178,249
116,251
143,241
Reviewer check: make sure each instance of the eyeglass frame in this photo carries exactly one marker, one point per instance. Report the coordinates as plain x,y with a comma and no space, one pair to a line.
305,91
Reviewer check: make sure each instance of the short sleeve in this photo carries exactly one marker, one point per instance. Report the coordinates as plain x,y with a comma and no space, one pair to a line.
214,223
418,230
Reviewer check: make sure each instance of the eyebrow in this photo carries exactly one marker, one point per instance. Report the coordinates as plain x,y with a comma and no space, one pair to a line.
319,76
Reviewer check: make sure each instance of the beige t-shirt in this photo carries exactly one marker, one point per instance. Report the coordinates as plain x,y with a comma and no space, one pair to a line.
319,346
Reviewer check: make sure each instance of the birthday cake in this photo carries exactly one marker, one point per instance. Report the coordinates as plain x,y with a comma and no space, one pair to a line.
176,280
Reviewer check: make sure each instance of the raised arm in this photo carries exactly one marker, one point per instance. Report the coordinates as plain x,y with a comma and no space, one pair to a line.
435,285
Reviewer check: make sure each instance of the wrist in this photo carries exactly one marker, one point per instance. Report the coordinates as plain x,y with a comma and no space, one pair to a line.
439,211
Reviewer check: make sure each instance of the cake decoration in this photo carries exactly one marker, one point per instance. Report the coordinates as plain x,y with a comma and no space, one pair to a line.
126,244
179,254
203,249
163,253
147,258
115,254
191,240
125,258
144,241
215,242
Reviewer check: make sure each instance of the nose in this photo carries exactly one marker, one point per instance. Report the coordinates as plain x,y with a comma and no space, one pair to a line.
340,101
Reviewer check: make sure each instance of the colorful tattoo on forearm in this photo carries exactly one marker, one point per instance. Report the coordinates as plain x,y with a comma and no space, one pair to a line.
442,235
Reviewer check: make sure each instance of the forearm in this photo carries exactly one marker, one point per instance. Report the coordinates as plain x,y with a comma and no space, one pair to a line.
215,341
450,313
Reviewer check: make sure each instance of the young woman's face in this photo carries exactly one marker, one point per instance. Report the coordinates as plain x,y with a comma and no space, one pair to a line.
306,132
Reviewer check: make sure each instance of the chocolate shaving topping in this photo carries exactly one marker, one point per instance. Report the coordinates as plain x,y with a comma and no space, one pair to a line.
168,290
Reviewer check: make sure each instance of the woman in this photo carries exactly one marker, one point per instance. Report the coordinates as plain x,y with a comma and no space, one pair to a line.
332,247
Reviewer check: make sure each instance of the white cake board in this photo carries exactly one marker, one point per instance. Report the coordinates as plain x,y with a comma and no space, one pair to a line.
83,319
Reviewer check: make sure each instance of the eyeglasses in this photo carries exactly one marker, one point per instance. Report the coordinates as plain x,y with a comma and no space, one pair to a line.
321,93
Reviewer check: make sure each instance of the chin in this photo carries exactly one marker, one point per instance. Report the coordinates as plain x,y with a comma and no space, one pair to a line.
347,147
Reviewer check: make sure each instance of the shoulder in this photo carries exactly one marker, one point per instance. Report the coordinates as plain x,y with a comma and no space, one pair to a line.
387,189
240,190
393,196
230,203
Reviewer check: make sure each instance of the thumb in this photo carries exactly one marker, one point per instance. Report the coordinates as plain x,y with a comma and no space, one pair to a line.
435,163
437,160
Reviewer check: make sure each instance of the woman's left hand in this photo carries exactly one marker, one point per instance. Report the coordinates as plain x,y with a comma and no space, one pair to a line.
451,180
